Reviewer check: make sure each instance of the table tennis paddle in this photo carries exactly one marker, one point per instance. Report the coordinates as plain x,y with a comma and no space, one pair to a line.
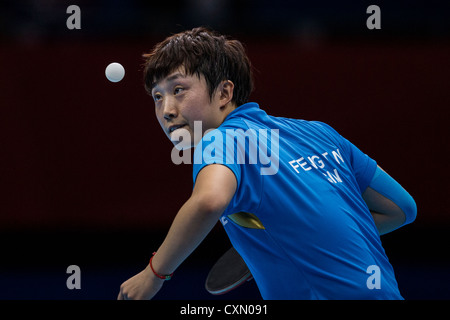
229,272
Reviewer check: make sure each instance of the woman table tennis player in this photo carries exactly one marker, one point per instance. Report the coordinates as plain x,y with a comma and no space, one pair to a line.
307,223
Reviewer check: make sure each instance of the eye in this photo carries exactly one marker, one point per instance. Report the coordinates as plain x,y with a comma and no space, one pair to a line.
177,90
157,97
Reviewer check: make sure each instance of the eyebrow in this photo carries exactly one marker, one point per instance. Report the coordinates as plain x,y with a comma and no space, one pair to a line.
171,78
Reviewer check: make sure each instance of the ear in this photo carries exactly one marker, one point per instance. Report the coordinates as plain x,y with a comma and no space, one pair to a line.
225,92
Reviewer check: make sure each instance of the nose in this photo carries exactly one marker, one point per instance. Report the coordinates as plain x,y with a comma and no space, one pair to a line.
169,109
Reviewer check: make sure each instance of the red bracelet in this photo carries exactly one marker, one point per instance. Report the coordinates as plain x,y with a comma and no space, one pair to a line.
158,275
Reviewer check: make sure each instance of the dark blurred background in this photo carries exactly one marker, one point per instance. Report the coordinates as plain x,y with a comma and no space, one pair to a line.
86,176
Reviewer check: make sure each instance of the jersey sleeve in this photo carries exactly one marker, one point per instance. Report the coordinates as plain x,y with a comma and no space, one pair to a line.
362,165
213,149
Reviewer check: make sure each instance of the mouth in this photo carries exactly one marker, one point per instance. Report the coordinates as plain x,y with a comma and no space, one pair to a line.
175,127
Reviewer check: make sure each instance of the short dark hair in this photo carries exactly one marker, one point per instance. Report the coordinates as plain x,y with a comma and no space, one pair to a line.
202,52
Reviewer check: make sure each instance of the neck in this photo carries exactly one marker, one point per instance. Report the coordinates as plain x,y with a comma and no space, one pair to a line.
227,109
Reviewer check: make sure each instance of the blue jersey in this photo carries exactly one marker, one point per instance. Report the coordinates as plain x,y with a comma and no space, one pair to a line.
298,218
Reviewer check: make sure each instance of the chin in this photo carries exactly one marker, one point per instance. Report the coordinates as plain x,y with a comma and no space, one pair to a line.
183,145
181,139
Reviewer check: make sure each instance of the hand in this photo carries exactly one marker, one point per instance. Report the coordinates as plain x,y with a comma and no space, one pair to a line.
142,286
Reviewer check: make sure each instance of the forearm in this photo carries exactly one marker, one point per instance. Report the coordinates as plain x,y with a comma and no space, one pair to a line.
212,193
190,226
390,204
386,224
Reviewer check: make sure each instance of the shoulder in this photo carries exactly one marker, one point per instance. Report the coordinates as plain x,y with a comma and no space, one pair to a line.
323,126
325,130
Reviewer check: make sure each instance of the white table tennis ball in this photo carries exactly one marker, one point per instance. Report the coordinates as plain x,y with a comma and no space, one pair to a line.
114,72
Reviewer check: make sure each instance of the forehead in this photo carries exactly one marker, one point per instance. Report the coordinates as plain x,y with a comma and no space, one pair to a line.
174,75
178,74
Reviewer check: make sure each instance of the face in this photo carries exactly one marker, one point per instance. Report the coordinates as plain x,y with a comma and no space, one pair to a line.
180,100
